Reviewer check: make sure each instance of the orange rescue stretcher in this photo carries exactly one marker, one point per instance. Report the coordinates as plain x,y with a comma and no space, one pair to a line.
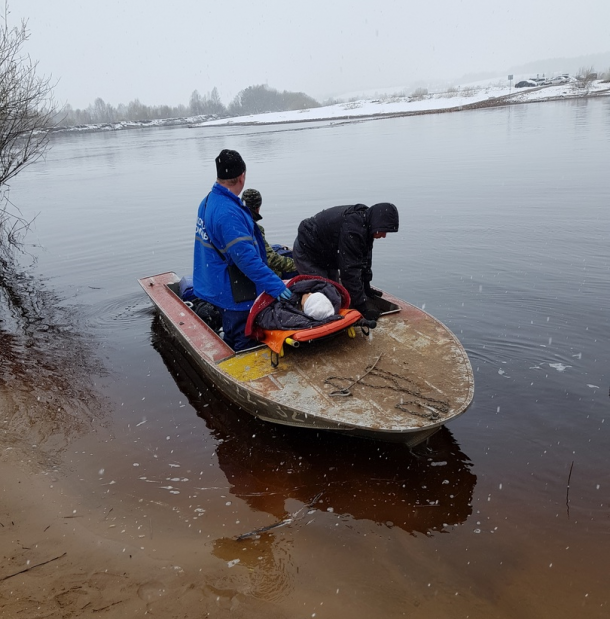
275,339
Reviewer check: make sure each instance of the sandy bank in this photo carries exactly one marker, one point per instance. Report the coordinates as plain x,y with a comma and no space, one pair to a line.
71,546
66,556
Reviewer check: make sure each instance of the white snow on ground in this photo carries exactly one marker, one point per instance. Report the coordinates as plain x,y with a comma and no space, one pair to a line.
403,105
477,94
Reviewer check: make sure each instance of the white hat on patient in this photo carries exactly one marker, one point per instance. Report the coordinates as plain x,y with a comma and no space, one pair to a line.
318,306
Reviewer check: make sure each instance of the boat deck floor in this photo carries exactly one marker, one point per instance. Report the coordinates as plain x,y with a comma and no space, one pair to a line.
409,372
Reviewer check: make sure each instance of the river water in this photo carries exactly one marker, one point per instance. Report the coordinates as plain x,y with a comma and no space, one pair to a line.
504,237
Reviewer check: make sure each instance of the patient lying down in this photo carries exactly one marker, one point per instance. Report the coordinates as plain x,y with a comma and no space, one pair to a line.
317,305
314,302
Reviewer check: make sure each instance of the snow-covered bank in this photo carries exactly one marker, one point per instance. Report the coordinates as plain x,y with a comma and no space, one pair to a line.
471,97
133,124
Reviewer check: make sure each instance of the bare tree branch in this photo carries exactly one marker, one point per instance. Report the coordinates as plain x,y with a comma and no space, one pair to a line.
26,114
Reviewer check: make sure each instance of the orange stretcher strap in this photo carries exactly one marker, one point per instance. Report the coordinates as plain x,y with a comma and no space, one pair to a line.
275,338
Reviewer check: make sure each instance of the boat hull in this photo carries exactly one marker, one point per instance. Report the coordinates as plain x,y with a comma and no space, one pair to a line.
402,382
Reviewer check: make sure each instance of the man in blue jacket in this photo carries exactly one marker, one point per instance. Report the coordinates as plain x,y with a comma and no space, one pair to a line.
230,262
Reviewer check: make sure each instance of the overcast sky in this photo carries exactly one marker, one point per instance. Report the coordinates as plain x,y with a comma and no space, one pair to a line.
160,51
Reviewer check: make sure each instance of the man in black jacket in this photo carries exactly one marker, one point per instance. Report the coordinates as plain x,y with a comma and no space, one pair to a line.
338,242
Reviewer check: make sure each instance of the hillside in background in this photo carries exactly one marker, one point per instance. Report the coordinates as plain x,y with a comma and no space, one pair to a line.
601,63
549,67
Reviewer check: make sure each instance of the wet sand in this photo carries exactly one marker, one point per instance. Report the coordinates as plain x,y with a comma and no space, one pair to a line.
57,562
64,556
65,551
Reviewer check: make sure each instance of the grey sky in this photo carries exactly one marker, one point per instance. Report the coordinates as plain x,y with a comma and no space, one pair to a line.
160,51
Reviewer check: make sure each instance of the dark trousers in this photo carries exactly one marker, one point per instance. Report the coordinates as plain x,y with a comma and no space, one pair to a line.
234,327
306,266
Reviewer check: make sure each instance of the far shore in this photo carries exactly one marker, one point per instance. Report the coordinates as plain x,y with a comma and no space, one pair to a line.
386,107
504,101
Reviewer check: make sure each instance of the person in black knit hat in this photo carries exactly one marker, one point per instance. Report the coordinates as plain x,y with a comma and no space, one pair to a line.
230,264
229,165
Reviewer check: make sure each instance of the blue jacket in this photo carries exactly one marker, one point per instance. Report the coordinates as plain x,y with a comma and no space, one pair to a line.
225,223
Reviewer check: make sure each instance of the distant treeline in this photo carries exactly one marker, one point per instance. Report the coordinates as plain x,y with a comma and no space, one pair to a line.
251,100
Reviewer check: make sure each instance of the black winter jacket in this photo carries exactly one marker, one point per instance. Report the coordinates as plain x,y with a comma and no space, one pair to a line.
342,238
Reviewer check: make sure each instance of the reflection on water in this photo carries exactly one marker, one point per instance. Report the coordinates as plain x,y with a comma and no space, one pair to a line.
294,475
429,490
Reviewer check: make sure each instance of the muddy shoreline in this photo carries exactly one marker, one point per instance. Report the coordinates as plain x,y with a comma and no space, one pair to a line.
65,551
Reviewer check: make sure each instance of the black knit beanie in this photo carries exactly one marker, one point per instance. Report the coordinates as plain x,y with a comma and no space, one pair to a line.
229,164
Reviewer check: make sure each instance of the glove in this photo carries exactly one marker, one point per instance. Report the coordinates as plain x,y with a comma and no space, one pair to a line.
285,295
369,312
371,292
372,314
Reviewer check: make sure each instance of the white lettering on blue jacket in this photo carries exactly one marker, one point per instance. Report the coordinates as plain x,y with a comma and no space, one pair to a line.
225,224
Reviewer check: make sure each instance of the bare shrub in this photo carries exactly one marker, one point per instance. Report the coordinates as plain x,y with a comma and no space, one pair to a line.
26,111
419,94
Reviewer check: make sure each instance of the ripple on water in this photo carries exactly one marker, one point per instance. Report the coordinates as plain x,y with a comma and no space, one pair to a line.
122,313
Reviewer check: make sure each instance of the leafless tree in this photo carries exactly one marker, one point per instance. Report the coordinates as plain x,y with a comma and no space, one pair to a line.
26,110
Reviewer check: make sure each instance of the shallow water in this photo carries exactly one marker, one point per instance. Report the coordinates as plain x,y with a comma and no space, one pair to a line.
505,237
